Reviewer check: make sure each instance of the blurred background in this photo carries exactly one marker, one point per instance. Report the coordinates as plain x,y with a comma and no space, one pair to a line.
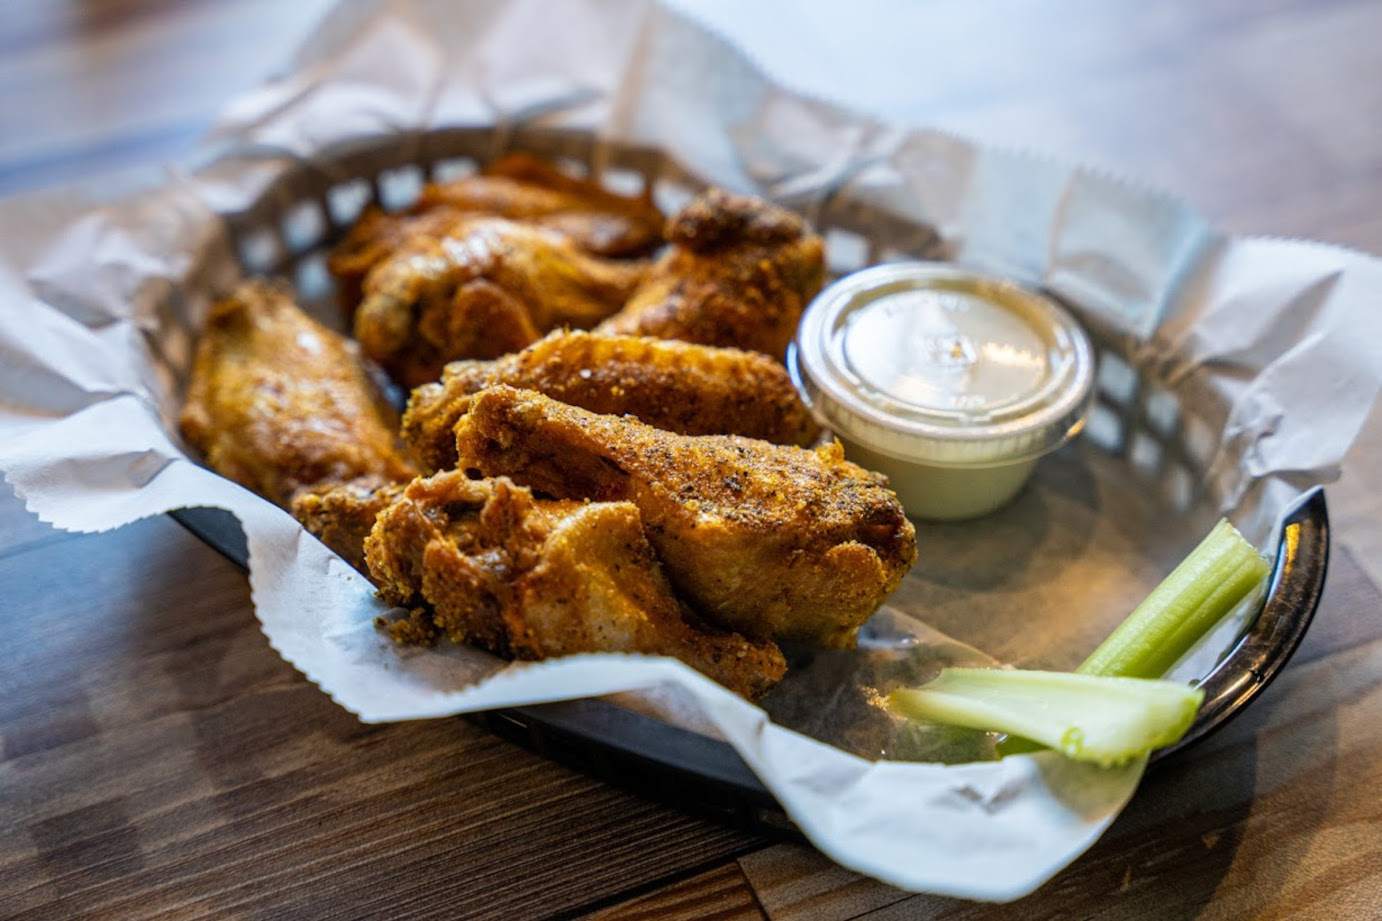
1267,114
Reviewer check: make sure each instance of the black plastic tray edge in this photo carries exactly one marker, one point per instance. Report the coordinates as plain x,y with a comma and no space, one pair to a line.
1293,596
705,775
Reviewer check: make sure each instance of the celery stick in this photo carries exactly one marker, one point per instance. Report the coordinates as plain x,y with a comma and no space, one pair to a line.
1213,580
1210,582
1089,718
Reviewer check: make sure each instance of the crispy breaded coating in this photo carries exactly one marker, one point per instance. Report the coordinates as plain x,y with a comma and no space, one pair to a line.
769,540
341,516
457,545
739,273
533,579
516,186
280,403
677,386
487,287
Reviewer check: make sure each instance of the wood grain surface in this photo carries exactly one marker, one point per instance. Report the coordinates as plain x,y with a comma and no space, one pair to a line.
158,759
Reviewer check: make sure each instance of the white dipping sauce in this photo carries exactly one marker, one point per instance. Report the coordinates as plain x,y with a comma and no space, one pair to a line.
950,383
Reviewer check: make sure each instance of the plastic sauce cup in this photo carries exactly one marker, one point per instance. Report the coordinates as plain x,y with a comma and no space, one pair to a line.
952,384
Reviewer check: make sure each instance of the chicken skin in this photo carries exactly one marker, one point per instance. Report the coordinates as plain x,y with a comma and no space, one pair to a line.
769,540
281,404
486,563
677,386
527,188
516,186
739,273
374,237
489,286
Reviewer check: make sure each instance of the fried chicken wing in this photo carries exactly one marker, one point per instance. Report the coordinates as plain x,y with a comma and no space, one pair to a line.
517,186
769,540
485,562
488,287
280,403
739,273
677,386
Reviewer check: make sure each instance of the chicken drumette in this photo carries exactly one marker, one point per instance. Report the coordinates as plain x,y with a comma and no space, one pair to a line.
282,404
486,563
486,287
770,540
739,273
517,186
677,386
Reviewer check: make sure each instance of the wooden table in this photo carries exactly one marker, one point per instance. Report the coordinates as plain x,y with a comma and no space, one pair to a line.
156,757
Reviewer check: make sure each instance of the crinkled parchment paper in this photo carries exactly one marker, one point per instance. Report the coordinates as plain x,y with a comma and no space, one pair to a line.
1262,351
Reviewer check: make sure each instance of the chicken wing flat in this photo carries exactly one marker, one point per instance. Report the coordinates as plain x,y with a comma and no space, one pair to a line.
677,386
488,287
486,563
280,403
516,186
769,540
739,273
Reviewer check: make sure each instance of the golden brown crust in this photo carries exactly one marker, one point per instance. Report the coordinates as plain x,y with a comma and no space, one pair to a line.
739,273
487,287
533,579
456,545
770,540
599,221
678,386
517,186
341,516
374,236
280,403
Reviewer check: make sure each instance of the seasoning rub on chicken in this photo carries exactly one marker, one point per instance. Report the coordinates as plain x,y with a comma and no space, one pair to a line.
517,186
486,563
281,404
486,287
739,273
678,386
770,540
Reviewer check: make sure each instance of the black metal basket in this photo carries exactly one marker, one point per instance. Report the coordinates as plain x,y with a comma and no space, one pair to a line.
289,229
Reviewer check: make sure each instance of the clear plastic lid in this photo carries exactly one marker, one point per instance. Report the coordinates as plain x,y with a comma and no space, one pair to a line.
934,364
